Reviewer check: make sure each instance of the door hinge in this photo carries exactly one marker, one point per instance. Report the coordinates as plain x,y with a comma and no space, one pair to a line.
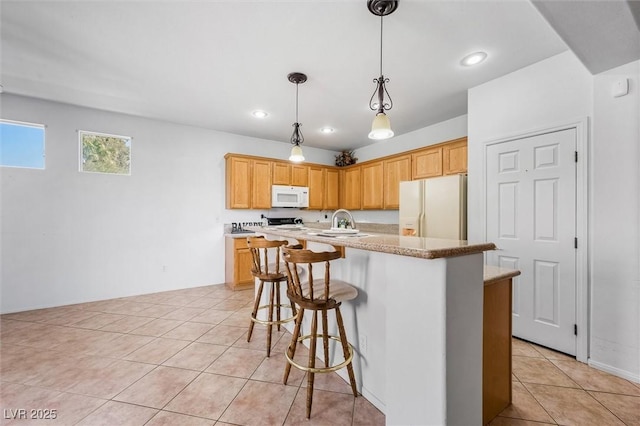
575,242
576,156
575,329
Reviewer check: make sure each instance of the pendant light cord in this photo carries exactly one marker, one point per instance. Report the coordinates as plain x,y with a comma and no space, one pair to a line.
381,43
296,102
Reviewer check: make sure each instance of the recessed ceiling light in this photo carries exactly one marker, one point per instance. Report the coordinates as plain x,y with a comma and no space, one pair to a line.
473,59
259,113
327,130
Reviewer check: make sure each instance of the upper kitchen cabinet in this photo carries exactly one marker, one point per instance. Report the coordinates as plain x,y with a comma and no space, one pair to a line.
372,185
248,182
316,187
289,174
426,163
454,157
331,189
281,173
395,171
261,184
238,182
324,186
351,185
299,175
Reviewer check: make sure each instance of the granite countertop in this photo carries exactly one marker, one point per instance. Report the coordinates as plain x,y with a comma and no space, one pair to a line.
493,274
426,248
239,234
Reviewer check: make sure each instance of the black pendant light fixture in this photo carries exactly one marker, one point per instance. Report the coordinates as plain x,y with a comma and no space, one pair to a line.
297,138
381,126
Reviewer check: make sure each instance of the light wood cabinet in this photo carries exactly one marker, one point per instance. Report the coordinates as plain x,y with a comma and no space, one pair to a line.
395,171
261,184
426,163
316,187
454,157
299,175
331,189
248,183
324,188
496,349
281,173
372,185
351,185
238,183
238,263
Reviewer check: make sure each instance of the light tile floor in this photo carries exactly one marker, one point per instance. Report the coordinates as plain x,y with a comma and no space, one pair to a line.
181,358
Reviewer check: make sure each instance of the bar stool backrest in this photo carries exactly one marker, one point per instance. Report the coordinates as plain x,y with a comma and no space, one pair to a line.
261,251
298,261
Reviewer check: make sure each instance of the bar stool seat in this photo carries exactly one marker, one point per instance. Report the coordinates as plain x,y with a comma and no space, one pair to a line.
339,290
322,295
262,250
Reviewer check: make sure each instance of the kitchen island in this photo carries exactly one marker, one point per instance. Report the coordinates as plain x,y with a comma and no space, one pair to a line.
416,324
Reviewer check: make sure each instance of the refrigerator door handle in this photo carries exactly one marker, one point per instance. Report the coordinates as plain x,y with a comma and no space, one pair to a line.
422,228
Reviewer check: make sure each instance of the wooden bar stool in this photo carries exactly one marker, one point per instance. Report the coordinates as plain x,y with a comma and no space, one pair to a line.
268,272
317,295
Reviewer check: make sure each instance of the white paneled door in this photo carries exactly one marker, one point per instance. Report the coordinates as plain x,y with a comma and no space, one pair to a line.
531,217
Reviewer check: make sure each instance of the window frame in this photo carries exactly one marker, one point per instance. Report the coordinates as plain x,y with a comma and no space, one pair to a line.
44,142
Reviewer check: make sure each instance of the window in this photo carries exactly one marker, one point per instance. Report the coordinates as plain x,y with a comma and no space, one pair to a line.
21,144
103,153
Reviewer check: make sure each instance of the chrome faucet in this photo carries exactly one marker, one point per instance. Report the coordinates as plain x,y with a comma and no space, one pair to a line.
347,213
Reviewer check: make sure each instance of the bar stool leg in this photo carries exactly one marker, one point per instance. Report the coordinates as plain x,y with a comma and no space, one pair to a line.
345,351
256,304
277,284
270,325
312,362
291,349
325,338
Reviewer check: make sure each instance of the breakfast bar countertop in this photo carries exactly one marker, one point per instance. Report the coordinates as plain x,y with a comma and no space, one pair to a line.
493,274
426,248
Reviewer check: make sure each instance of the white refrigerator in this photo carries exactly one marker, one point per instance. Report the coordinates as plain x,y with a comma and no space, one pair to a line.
435,208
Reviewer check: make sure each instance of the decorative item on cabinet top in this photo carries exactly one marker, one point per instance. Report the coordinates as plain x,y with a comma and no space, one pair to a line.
345,158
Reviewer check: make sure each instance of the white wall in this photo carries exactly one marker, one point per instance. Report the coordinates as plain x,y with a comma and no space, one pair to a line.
557,91
615,218
71,237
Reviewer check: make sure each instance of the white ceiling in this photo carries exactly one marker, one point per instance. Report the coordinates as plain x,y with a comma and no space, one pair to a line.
211,63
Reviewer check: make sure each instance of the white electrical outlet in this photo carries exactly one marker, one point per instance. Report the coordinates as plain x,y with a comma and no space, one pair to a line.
362,344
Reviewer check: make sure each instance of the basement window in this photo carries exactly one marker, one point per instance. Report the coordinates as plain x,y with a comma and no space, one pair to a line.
21,144
105,153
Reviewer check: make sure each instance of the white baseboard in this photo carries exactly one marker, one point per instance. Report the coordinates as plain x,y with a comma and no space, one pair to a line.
615,371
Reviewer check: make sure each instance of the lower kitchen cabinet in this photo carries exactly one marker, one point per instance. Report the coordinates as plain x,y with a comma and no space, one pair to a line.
496,349
238,262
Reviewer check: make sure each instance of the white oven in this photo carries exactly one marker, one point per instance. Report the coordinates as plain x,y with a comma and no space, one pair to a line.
289,196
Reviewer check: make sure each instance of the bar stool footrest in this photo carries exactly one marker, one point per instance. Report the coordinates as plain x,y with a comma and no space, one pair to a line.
329,369
267,322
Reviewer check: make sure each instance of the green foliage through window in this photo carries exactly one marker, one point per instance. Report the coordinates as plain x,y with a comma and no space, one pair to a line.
102,153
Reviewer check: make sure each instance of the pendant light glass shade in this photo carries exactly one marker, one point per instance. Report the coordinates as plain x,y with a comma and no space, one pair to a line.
296,154
381,127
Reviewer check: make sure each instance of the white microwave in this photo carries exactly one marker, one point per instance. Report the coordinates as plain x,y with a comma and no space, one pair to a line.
289,196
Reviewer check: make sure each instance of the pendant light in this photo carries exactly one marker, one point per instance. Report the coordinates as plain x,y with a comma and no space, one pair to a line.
297,138
381,126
